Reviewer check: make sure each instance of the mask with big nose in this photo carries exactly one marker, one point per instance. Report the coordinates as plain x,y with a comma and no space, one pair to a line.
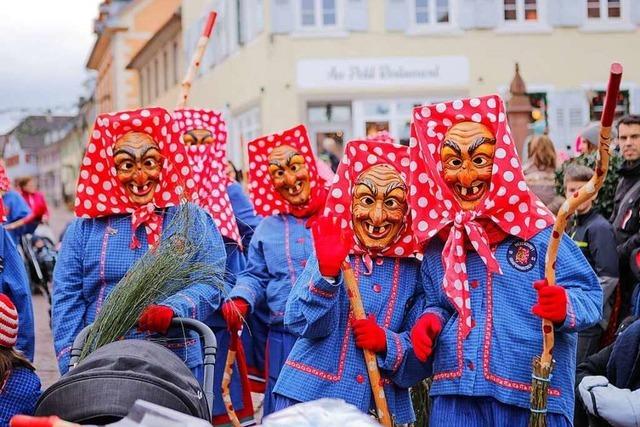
467,159
138,166
379,207
197,137
290,175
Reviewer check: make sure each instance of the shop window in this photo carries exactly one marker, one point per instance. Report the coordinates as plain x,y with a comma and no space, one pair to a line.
539,121
328,113
315,14
597,102
604,9
431,12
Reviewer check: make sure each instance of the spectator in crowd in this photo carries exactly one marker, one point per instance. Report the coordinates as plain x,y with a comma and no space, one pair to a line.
37,203
589,138
626,203
331,153
609,382
20,385
539,171
595,237
15,208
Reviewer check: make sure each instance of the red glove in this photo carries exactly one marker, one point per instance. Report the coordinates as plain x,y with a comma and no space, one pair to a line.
369,336
424,334
552,301
234,312
331,248
155,318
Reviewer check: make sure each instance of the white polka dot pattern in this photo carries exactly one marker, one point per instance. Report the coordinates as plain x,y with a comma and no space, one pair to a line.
266,201
208,167
99,192
369,153
507,200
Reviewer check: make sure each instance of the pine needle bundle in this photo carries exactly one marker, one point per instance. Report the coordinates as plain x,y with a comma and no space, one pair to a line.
160,273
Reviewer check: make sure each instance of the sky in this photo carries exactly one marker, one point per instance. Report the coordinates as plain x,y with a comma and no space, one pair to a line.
43,51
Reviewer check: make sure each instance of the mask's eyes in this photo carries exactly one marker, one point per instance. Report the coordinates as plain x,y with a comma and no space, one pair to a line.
125,166
453,162
391,203
278,173
150,163
295,167
188,139
480,161
367,200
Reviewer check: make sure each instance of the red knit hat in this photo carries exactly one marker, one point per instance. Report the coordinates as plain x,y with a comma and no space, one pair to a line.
8,322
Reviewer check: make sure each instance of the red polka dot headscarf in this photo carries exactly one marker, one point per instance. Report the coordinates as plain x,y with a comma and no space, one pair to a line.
208,166
359,157
266,201
382,135
509,203
99,192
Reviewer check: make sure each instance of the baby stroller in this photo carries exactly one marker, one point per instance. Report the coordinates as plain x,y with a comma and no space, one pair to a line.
105,385
39,255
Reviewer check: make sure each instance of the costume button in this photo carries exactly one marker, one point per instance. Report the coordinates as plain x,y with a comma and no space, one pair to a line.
474,284
470,365
377,288
360,378
303,262
301,240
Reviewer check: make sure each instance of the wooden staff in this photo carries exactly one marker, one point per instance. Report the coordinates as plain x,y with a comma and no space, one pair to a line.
196,60
226,379
543,364
369,357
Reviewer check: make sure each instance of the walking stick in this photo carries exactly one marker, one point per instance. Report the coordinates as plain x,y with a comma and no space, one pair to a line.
369,357
226,379
195,61
543,364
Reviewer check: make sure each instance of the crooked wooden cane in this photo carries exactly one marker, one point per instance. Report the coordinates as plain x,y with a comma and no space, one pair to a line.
355,300
226,379
543,364
196,60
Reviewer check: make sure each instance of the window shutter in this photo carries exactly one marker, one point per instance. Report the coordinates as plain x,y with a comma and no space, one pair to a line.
282,16
635,10
568,115
565,13
634,95
487,13
397,15
356,16
466,14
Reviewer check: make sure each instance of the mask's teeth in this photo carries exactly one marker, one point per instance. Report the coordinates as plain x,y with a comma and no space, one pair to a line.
463,191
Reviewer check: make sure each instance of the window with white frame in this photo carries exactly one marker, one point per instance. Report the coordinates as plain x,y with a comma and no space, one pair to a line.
604,9
246,127
521,11
431,12
315,14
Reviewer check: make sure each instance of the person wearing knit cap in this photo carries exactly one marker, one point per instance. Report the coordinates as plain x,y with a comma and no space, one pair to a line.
134,176
204,135
367,218
285,188
483,272
19,384
14,281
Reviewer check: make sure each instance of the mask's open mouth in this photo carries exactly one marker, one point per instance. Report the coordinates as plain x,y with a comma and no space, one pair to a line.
377,232
296,190
472,193
141,190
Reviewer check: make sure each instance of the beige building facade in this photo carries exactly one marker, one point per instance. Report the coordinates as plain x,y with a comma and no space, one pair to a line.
122,28
347,68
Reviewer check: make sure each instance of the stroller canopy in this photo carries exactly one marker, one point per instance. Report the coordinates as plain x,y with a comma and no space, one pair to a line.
105,385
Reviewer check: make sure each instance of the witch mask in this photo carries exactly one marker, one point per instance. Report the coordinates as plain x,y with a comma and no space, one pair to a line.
138,164
197,137
379,206
467,158
290,175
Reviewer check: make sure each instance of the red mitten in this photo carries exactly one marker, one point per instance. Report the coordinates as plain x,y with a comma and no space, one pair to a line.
331,248
552,302
234,312
155,318
369,336
424,334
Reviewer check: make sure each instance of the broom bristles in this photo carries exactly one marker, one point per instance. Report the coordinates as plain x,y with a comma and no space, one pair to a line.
540,380
160,273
